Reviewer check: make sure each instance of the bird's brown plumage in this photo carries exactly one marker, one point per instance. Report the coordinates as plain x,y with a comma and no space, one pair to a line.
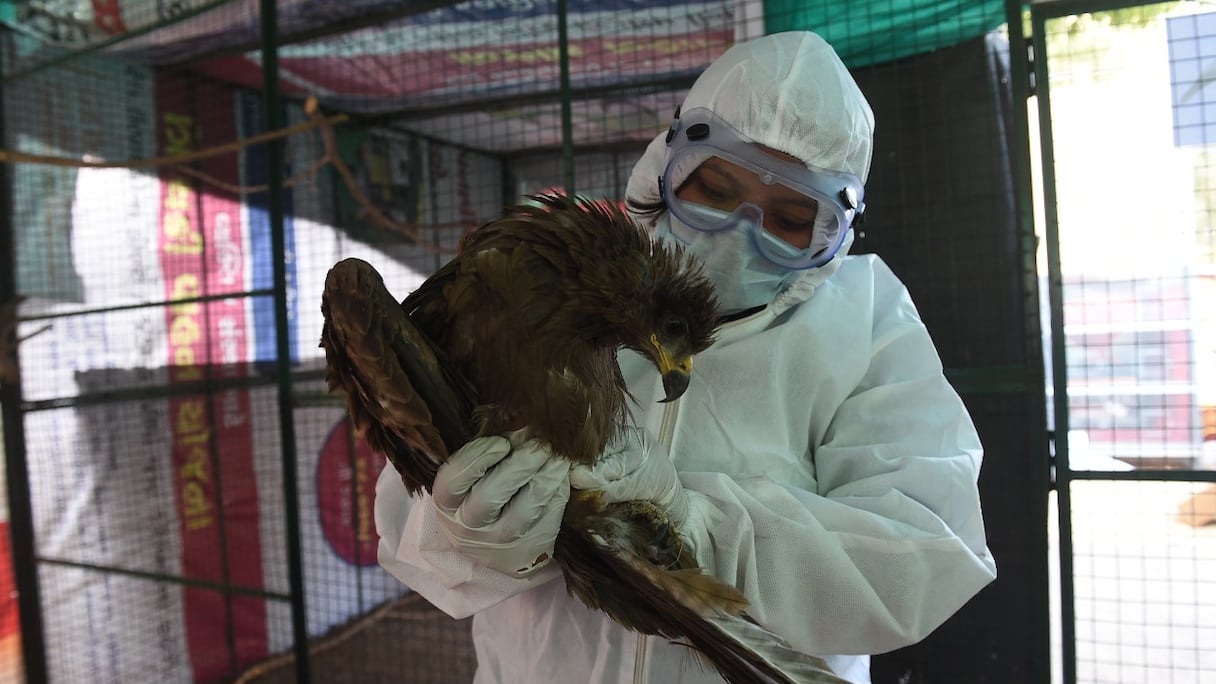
520,332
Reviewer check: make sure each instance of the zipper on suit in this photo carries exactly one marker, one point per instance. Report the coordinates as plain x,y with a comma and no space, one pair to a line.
667,432
639,661
667,429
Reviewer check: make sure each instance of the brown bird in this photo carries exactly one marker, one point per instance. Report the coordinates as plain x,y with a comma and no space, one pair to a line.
520,332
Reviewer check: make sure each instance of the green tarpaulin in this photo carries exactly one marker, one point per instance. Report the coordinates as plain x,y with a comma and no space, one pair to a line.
874,31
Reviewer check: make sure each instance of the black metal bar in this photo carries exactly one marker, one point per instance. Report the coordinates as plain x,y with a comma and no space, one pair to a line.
20,509
1064,8
150,305
1180,475
501,103
563,57
219,587
1033,380
1059,367
287,430
628,148
325,399
151,392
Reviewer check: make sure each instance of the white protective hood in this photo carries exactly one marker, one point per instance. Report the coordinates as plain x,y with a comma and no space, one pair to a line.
790,92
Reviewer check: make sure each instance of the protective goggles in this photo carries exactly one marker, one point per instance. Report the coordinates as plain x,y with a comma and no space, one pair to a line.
827,202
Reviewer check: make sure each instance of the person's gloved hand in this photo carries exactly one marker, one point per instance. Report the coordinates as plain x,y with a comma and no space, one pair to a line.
636,467
504,512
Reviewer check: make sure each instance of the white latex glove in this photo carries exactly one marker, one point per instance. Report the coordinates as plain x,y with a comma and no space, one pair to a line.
503,512
636,467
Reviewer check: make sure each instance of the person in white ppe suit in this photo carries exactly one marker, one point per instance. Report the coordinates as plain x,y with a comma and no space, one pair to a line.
819,460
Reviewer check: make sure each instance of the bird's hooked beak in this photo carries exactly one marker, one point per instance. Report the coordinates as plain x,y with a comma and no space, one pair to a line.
676,371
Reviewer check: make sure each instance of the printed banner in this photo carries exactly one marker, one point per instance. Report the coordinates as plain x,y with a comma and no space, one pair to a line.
455,55
212,441
192,485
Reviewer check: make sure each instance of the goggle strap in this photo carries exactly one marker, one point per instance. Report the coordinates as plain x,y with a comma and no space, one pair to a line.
675,125
859,216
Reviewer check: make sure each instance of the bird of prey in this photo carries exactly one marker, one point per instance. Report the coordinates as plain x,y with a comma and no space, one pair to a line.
519,332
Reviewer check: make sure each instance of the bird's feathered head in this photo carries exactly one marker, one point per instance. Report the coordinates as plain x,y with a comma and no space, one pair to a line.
632,291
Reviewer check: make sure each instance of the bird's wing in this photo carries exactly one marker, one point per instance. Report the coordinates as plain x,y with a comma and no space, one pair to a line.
400,392
606,568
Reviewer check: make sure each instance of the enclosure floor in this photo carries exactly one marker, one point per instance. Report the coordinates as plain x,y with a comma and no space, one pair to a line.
407,640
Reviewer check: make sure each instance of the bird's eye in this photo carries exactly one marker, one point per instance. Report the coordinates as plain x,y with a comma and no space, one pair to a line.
675,328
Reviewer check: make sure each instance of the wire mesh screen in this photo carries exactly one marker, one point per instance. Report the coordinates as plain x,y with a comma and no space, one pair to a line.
1136,303
160,314
151,391
1144,557
1137,309
155,481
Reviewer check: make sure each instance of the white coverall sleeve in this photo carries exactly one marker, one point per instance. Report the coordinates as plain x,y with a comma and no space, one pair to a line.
413,549
892,543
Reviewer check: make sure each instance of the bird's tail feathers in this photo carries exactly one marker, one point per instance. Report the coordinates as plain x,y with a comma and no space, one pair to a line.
738,648
683,604
775,654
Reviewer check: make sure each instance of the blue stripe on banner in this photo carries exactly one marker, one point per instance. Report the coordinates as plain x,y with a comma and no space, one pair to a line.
257,206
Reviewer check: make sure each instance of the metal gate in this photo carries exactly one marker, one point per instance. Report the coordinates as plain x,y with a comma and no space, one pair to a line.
1127,125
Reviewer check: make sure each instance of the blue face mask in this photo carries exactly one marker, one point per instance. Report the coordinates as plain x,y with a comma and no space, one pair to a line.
742,276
